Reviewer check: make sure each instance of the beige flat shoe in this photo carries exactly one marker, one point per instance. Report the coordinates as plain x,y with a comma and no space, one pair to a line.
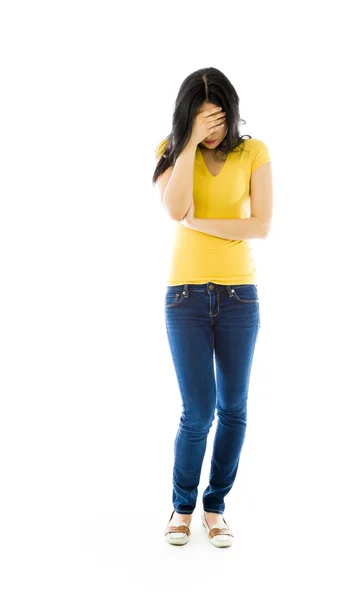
221,537
177,534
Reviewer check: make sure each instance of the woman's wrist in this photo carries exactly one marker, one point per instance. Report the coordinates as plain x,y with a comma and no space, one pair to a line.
191,145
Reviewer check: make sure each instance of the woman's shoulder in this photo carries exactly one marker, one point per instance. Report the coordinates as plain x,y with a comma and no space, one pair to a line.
161,147
254,144
259,152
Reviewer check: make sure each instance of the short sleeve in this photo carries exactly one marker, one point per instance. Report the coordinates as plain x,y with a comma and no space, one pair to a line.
259,155
161,147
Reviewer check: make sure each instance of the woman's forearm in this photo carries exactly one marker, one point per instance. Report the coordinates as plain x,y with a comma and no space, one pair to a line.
230,229
178,192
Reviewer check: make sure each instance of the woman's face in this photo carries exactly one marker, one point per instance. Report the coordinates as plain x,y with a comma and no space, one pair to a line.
215,137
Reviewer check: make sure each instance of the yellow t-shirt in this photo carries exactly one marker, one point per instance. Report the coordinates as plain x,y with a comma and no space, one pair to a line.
199,257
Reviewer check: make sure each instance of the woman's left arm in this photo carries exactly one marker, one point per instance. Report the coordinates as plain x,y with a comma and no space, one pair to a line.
256,226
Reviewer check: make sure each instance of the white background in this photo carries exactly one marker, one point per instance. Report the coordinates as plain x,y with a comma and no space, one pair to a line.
89,399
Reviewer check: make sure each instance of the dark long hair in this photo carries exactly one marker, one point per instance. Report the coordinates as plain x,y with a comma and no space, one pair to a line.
209,85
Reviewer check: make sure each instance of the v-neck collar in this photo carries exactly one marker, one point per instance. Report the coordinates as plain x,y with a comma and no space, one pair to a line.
205,165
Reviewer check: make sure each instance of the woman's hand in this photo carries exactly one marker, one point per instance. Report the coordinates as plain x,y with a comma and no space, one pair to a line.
208,124
189,219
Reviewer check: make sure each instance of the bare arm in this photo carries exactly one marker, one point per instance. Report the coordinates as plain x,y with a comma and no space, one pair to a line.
230,229
176,183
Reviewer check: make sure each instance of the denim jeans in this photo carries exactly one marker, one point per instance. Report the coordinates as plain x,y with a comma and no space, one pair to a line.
212,331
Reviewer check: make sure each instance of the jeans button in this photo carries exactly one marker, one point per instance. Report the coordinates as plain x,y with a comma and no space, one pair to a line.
211,286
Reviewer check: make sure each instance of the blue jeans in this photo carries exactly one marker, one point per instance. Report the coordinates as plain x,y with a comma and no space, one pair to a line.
212,331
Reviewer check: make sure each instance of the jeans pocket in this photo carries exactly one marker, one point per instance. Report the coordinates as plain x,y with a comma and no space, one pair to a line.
173,299
246,293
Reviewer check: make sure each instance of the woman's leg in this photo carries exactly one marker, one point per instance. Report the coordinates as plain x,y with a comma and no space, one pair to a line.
191,343
235,330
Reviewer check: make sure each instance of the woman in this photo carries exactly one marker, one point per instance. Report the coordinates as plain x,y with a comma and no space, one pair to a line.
217,185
